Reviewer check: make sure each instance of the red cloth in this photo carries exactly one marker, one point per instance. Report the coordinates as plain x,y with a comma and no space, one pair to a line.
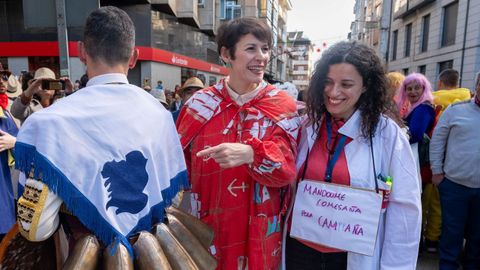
477,100
3,100
317,165
243,204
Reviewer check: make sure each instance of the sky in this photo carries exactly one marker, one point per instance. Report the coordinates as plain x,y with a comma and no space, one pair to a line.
321,20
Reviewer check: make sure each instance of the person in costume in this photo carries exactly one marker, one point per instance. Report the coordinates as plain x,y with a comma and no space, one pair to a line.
110,170
349,141
239,139
415,95
394,81
8,131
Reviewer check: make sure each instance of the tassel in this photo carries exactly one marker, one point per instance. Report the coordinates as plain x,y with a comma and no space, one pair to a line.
27,158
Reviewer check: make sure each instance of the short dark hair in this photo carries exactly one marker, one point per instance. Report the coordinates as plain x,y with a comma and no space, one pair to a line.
449,77
231,32
372,103
109,35
83,81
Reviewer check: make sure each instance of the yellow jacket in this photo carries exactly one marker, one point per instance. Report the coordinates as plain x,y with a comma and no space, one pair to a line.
447,97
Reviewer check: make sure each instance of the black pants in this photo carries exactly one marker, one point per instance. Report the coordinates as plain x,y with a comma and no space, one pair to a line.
301,257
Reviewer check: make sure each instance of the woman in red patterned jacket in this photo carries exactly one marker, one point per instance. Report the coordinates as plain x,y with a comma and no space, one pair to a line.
239,139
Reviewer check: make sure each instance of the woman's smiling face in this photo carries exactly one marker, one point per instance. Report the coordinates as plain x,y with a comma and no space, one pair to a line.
249,63
343,88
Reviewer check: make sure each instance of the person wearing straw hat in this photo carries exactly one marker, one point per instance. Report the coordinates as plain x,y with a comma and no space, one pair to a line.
160,96
14,89
190,86
35,97
8,132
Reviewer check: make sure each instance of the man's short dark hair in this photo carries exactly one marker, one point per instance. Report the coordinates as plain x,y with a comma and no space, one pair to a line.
83,81
232,31
109,35
449,77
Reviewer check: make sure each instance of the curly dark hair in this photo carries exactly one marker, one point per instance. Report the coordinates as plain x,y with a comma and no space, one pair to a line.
372,103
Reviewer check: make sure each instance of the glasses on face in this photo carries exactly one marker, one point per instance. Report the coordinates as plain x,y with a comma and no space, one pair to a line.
4,75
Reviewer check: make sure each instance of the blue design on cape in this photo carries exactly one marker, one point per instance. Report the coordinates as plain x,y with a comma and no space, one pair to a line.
126,180
27,157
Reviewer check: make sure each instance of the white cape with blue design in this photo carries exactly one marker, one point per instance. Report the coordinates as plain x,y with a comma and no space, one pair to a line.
111,152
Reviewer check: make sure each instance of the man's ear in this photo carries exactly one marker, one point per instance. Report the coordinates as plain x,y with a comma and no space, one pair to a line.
225,55
82,53
133,58
440,85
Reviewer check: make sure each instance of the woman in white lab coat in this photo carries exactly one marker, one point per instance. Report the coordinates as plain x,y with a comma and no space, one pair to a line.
348,140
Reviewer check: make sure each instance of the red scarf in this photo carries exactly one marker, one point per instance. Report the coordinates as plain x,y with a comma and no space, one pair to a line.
276,107
3,100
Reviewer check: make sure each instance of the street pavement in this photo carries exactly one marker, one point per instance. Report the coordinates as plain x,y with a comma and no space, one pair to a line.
427,261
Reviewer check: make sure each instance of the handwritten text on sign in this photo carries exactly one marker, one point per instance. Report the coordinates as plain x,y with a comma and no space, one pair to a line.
336,216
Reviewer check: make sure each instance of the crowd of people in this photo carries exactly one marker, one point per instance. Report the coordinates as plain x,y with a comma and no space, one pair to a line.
383,148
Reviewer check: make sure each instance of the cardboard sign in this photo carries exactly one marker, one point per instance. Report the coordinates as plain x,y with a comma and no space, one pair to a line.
336,216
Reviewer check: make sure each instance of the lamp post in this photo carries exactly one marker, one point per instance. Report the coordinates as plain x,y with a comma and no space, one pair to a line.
62,38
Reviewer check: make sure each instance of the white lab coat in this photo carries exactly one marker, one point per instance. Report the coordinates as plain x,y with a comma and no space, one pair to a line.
400,223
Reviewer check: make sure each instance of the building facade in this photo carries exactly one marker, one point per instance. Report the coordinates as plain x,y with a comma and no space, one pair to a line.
300,49
428,36
274,13
436,35
372,24
176,38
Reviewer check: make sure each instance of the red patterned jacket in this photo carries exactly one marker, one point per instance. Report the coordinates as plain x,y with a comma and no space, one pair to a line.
242,204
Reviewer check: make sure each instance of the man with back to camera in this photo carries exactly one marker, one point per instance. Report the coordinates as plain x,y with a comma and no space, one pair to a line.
449,90
98,151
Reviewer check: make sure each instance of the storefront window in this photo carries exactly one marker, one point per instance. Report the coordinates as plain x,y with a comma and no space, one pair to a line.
168,34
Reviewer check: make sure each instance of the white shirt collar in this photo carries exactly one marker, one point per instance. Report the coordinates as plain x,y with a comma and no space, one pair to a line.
352,128
245,98
108,78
